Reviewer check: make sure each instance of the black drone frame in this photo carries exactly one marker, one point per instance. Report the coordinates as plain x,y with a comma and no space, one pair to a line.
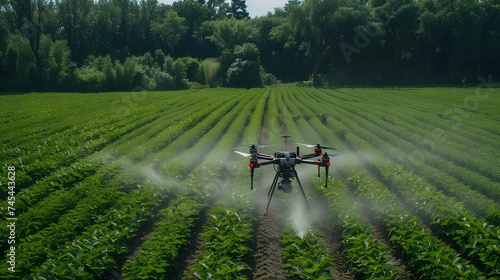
284,164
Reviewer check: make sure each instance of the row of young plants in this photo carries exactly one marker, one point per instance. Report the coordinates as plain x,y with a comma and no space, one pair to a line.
414,243
96,250
425,254
234,119
460,227
63,194
69,226
304,256
191,137
228,234
441,109
63,215
372,135
434,174
77,126
442,211
366,254
206,179
160,253
49,209
439,142
35,160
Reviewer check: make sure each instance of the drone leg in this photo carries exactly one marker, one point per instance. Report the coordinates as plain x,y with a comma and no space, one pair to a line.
251,179
326,179
271,192
303,194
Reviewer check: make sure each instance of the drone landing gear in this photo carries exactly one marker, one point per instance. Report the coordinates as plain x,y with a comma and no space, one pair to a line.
283,186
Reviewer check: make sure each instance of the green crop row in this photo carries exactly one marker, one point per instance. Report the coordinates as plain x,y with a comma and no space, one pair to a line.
370,133
34,248
61,199
462,126
472,198
47,214
443,213
228,240
474,237
203,179
37,158
305,257
59,202
399,130
438,142
67,176
424,197
365,253
159,254
425,254
95,251
228,233
385,205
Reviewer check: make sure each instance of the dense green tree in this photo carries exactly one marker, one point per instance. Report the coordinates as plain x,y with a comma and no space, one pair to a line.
60,66
170,31
228,33
73,19
245,71
220,9
32,23
195,13
239,9
108,44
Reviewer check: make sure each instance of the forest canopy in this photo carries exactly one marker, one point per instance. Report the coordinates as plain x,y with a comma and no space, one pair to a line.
121,45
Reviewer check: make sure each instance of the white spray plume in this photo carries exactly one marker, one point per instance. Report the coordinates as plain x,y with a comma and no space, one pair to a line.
299,218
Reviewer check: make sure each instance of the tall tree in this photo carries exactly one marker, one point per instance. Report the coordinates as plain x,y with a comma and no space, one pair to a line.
239,9
170,30
219,8
228,33
323,24
72,16
195,14
32,22
104,21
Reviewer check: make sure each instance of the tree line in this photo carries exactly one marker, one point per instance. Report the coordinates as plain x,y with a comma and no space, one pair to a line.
104,45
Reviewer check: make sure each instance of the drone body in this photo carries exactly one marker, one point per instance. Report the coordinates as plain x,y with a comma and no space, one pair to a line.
284,164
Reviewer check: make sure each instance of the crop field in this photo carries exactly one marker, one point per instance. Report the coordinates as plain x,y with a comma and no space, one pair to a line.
146,185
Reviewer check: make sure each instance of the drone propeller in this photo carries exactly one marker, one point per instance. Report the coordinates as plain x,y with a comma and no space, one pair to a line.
332,154
243,154
253,146
317,146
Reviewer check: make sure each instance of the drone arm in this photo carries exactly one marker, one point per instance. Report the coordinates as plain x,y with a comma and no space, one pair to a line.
325,161
264,156
313,155
254,163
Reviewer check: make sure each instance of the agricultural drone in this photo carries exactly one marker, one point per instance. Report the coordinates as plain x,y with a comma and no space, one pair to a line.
284,165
